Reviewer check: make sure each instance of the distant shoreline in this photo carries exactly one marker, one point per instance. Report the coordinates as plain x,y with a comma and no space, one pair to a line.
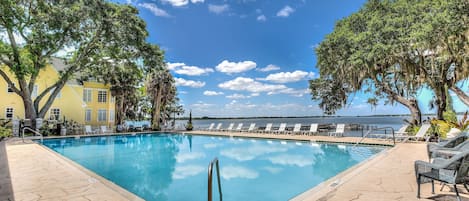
295,117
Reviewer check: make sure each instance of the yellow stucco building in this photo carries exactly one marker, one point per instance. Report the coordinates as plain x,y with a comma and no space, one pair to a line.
88,103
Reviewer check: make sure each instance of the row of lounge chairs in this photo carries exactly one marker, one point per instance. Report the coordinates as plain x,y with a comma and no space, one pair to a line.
282,129
101,129
448,163
403,135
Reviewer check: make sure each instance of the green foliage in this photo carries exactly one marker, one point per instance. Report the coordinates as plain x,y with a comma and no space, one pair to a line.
5,132
92,29
444,126
385,49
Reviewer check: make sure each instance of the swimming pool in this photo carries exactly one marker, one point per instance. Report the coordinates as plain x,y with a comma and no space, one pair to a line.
174,166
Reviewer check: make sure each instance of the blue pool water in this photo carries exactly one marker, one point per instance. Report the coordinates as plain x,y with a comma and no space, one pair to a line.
174,167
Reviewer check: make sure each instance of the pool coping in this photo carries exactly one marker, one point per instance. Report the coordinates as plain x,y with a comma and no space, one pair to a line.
111,185
325,187
318,191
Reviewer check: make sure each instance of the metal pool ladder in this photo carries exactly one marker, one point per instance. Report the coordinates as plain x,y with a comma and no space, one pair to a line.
35,132
210,167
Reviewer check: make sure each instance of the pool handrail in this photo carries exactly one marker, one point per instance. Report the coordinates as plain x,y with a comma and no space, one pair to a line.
35,132
376,129
210,167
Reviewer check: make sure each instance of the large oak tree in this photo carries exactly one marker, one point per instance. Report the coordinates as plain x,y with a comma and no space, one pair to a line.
393,48
35,30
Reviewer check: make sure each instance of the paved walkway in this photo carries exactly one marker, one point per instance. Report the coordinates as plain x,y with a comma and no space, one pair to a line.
39,174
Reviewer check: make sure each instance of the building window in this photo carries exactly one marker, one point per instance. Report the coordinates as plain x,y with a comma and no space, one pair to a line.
10,88
9,113
111,115
54,114
88,115
35,91
87,94
102,96
102,115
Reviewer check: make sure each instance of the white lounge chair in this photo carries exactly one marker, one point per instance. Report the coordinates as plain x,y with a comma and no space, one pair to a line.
211,126
230,127
268,128
281,128
239,127
296,129
103,129
313,129
419,135
251,128
218,128
89,130
339,131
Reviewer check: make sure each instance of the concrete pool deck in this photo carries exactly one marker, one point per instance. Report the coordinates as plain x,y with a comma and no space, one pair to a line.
32,172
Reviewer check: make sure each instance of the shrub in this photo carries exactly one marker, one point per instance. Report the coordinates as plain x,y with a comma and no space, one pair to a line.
4,132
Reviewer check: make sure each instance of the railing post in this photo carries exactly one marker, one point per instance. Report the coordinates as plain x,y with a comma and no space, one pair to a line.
210,171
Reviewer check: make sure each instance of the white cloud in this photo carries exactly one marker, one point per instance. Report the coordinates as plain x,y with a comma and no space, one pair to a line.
193,70
183,69
231,172
176,3
182,157
237,96
268,68
288,159
248,84
285,11
261,18
189,83
235,67
201,105
218,9
172,66
250,153
292,92
273,170
181,172
212,93
211,145
286,77
254,94
197,1
154,9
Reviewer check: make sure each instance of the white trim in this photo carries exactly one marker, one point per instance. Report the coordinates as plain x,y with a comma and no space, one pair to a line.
90,96
52,114
112,115
12,112
105,113
107,94
91,114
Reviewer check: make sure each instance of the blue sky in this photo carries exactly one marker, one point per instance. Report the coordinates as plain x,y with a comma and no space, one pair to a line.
250,57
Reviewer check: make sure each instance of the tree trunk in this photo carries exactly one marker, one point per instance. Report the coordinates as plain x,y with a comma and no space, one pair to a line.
120,110
415,112
411,104
29,110
157,110
461,95
440,95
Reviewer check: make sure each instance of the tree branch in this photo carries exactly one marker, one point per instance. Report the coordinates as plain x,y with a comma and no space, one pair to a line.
8,80
461,95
